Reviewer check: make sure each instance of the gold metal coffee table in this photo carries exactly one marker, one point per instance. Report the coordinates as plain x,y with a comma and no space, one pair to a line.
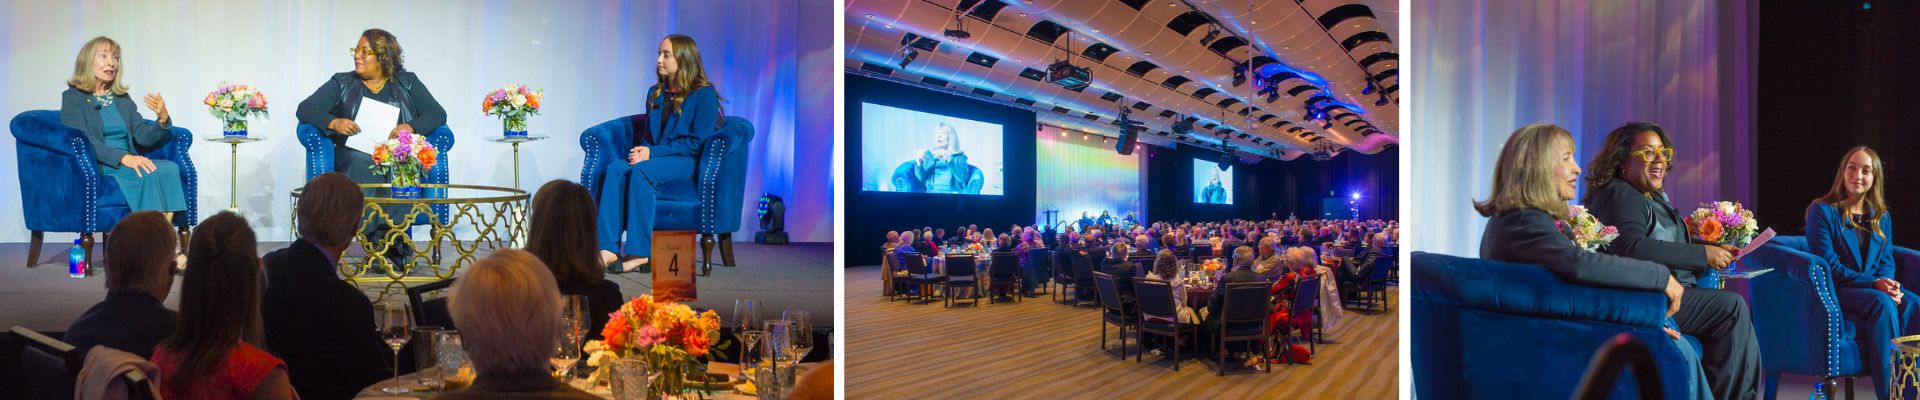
463,217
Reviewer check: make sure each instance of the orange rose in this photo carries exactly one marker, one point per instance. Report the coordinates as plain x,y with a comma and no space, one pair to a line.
428,156
381,154
486,105
1711,231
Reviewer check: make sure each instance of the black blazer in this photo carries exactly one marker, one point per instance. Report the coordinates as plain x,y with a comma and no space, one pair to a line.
603,298
1215,303
339,97
1122,272
322,326
1617,203
1531,237
129,322
77,109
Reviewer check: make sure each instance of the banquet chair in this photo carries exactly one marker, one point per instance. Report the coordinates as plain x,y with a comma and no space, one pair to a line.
62,189
1083,280
1202,252
1063,275
1160,316
709,203
1797,317
960,274
48,366
887,269
920,275
1005,273
429,301
1039,268
1243,318
1113,312
319,149
1491,329
1377,278
1303,298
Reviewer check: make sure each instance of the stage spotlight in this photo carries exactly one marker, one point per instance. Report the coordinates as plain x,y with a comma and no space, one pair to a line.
773,220
959,30
1356,195
1369,89
1240,75
1211,35
910,55
1382,101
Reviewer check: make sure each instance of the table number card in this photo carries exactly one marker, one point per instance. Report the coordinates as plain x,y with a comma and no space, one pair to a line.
674,266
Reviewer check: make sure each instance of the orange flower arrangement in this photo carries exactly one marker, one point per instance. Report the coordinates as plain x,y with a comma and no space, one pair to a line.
1710,230
670,335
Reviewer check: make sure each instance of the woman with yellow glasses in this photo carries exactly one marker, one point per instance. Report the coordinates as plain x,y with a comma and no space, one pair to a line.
1626,188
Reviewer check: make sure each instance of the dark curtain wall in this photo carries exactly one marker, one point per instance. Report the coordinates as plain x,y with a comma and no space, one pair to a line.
1833,75
869,215
1274,187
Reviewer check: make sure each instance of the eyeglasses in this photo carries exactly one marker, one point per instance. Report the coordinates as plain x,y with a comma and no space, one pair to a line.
1648,153
360,51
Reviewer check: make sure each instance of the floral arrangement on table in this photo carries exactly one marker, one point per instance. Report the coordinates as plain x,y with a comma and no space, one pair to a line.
1588,232
1723,222
669,335
513,104
232,104
1211,265
405,157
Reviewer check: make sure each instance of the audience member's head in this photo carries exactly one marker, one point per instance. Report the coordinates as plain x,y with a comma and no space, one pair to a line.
1299,258
1164,264
1118,251
1243,257
561,232
329,211
141,258
219,300
1268,245
893,236
508,309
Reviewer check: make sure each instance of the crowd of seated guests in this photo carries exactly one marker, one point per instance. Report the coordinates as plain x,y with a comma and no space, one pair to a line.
286,326
1279,251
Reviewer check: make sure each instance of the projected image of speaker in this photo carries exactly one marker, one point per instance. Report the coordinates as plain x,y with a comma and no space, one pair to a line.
914,151
1213,182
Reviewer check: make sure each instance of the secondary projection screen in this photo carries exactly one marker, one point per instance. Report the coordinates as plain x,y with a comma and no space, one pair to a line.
1084,178
1211,184
918,152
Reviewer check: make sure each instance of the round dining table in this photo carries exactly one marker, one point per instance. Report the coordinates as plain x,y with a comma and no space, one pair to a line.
414,381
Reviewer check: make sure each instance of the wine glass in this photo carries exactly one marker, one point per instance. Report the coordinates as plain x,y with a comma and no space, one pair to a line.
800,333
565,354
574,320
750,326
393,318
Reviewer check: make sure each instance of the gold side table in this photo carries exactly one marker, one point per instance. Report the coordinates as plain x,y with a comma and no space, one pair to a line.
233,159
516,141
496,216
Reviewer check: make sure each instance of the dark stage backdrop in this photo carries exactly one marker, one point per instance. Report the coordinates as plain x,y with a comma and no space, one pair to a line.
1833,75
1274,187
869,215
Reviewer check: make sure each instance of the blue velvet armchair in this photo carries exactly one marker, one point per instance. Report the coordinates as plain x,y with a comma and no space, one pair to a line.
1488,329
320,160
709,203
62,190
1797,318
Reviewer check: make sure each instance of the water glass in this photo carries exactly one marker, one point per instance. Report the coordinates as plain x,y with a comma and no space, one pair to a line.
629,378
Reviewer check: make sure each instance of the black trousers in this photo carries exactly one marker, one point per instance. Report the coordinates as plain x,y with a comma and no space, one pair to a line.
1730,356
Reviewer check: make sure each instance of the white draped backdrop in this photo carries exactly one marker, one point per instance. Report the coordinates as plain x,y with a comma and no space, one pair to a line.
1484,68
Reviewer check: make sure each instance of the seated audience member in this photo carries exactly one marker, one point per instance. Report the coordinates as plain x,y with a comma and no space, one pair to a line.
322,326
508,309
562,235
140,268
214,352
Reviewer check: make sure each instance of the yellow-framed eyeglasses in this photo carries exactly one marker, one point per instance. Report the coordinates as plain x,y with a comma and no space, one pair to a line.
1650,153
359,51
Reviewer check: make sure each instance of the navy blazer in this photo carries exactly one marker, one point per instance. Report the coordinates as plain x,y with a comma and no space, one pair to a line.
680,132
1829,238
1619,204
77,109
125,321
322,326
1530,237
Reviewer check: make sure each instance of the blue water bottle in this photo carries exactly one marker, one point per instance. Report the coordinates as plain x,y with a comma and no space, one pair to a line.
77,261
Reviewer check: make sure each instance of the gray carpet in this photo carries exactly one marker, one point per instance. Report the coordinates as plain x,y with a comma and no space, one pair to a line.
797,276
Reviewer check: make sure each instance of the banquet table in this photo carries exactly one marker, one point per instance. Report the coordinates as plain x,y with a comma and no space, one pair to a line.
423,391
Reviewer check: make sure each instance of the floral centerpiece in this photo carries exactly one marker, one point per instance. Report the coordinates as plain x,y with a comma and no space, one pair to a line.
513,104
232,104
1588,232
1723,222
669,335
405,157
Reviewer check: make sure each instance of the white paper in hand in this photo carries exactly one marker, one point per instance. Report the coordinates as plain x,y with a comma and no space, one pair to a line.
376,119
1758,240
